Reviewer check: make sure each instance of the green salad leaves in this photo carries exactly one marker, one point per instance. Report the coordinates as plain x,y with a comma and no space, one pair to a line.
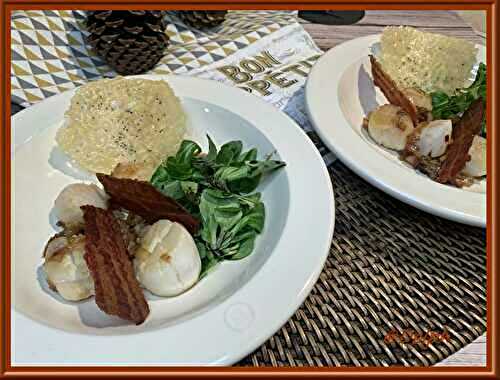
218,188
449,107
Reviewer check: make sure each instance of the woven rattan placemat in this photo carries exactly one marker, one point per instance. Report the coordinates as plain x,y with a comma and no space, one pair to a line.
390,266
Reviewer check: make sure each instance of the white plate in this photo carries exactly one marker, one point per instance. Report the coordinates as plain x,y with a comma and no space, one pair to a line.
226,315
339,93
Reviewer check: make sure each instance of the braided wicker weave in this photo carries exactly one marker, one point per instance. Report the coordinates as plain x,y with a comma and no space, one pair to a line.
391,266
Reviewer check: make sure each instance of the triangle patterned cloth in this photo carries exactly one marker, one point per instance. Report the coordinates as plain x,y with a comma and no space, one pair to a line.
49,53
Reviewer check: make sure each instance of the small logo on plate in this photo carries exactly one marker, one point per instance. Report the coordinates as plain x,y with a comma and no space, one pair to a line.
239,316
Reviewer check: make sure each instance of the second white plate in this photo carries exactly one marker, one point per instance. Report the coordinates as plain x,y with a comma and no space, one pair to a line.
339,93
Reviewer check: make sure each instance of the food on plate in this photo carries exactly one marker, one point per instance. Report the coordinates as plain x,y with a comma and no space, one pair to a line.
67,204
132,227
161,231
167,262
452,106
429,139
390,125
463,134
78,259
420,99
143,199
391,91
65,267
122,120
132,171
219,188
437,132
117,291
199,209
427,61
476,166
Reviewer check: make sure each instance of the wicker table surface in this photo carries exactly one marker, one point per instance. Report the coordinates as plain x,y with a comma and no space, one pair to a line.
391,266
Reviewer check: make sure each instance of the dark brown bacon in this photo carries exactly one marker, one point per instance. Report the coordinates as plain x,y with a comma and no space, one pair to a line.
143,199
391,91
117,291
462,136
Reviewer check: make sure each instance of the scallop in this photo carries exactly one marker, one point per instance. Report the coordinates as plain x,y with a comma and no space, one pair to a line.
72,197
66,269
167,263
476,166
435,137
390,126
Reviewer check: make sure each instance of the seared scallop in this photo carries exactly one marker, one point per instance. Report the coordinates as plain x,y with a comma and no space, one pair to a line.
434,138
476,166
66,269
390,126
167,263
72,197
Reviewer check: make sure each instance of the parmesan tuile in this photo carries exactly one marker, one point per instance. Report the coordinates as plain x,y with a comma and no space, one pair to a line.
112,121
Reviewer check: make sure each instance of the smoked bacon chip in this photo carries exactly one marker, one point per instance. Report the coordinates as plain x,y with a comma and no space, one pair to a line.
390,90
117,291
462,136
145,200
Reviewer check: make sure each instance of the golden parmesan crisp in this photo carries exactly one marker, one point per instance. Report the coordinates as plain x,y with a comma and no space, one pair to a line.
121,120
428,61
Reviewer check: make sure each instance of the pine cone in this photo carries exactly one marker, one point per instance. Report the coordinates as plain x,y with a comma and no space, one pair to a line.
203,19
131,42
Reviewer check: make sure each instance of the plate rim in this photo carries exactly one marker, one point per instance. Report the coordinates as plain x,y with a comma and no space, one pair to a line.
345,142
225,94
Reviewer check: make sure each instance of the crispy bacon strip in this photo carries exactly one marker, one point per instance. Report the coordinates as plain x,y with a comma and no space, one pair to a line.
382,80
143,199
462,137
117,291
